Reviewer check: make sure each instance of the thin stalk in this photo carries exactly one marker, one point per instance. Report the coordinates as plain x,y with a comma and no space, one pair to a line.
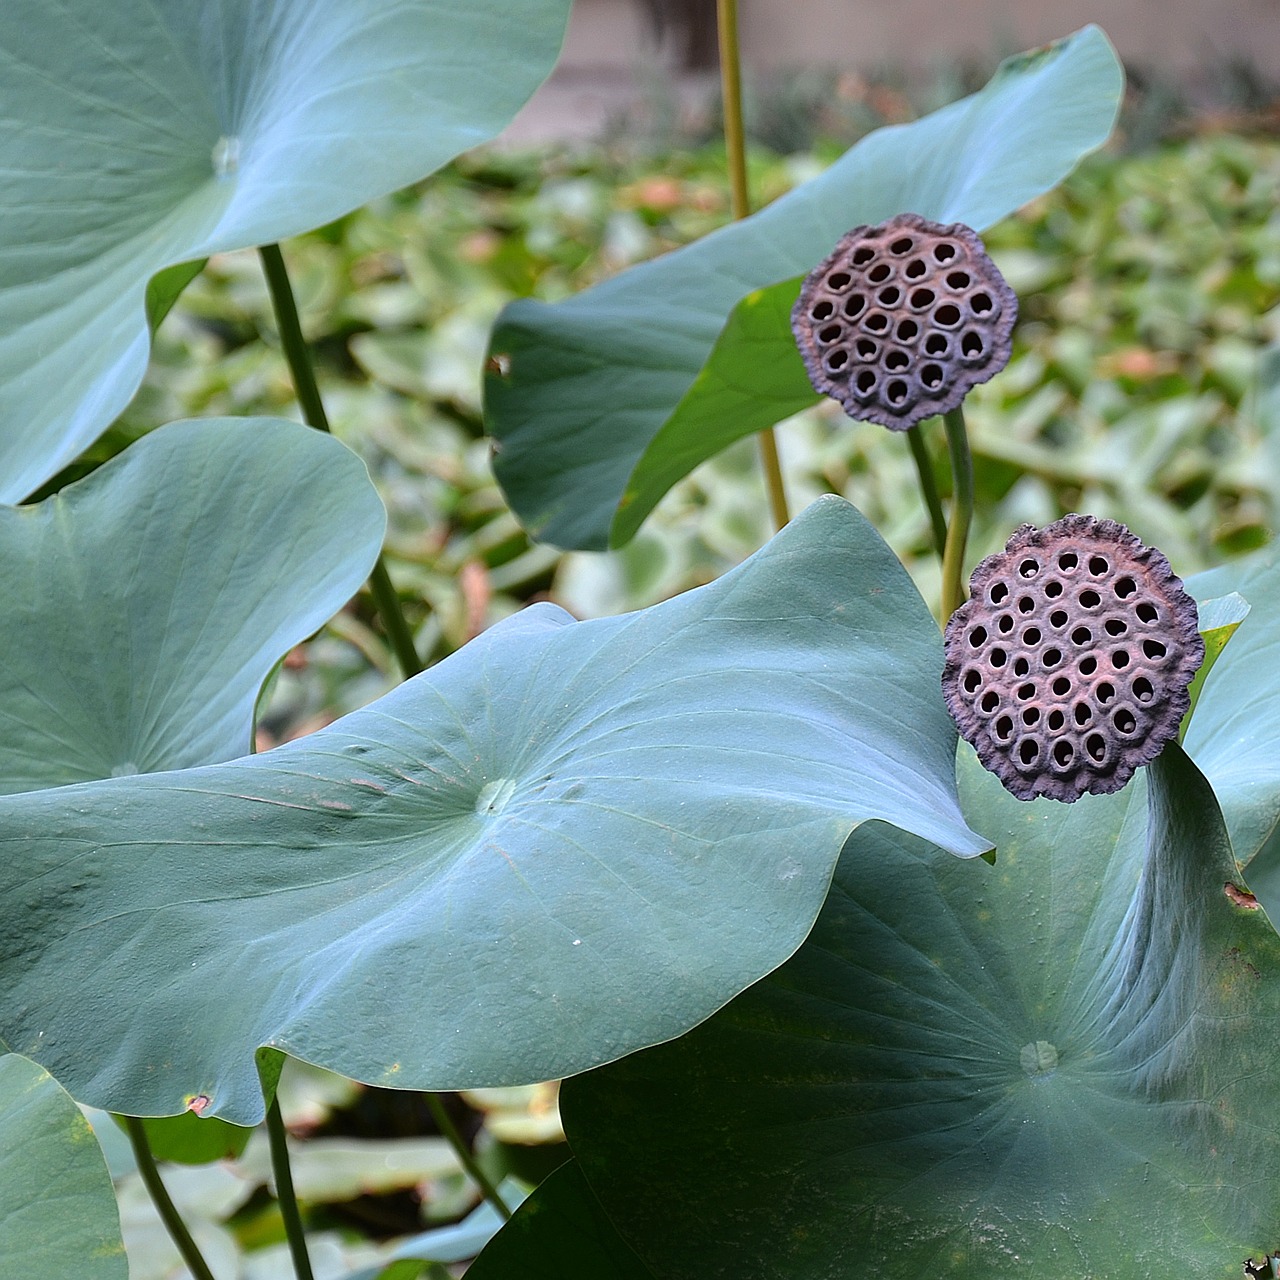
740,203
387,602
307,390
477,1175
772,465
165,1207
953,589
731,94
928,487
285,1197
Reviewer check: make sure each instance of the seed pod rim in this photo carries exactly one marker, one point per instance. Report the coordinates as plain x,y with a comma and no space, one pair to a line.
964,379
1180,626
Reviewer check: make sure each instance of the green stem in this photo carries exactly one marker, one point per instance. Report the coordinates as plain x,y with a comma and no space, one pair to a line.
928,487
731,95
953,589
165,1207
449,1131
740,203
387,602
772,465
285,1197
307,390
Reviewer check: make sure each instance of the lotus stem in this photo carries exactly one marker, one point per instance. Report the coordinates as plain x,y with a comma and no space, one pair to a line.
953,588
740,204
283,1171
160,1197
928,487
298,356
449,1131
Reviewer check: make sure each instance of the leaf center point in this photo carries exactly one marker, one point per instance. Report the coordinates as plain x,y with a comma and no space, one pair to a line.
494,795
226,156
1039,1058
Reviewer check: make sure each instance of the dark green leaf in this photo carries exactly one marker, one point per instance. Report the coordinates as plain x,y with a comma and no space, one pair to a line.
165,288
587,384
565,842
1059,1066
559,1233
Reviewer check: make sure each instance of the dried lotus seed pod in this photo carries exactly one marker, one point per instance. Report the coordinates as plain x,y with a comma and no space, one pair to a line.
1067,669
903,320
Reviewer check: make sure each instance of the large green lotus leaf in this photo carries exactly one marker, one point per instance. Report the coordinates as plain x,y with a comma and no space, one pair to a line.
1058,1066
146,604
58,1215
143,133
581,388
1234,735
567,841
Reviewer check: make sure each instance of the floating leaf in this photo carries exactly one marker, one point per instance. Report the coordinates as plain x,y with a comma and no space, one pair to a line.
57,1207
587,384
463,1240
565,842
146,133
1058,1066
148,602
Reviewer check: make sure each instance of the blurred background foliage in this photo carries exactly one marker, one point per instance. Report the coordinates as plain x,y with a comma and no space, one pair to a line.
1149,287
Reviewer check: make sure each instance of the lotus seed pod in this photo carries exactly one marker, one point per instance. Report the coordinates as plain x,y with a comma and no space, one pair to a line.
903,320
1068,667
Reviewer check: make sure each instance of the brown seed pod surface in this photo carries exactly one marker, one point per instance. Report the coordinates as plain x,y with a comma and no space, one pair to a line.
1068,667
903,320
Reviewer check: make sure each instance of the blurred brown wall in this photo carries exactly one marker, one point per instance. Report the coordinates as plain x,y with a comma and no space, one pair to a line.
1175,35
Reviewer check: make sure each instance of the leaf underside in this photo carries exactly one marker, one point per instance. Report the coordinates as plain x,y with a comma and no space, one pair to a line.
1056,1066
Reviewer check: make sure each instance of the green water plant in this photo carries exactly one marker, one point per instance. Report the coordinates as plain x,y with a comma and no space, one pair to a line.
714,860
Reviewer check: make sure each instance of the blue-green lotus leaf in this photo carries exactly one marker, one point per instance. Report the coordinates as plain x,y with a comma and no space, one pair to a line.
144,133
565,842
585,386
57,1207
146,604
